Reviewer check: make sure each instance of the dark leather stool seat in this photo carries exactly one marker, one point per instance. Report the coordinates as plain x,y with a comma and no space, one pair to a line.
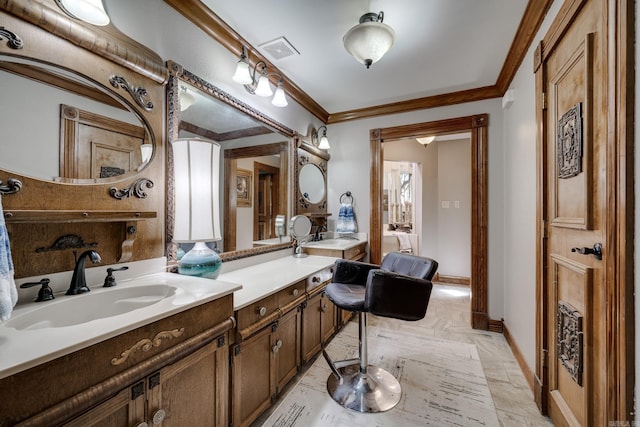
400,288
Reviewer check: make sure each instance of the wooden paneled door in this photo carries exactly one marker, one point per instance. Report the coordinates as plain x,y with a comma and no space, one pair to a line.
266,179
577,326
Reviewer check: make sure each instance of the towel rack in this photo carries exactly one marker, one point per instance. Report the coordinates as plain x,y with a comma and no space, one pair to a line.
12,187
347,194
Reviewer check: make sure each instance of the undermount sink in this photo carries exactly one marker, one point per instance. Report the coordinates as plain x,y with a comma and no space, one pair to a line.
77,309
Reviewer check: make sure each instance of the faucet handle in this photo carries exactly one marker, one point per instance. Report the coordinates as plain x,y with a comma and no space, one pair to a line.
110,280
45,293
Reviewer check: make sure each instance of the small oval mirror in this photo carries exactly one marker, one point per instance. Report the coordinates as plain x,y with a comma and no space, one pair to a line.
300,226
312,183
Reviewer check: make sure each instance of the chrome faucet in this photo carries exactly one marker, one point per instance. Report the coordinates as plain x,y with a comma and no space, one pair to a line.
79,280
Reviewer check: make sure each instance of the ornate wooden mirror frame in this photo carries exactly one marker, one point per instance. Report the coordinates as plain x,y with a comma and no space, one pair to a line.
285,149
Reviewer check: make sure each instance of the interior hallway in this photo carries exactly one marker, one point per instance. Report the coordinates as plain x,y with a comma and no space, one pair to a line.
448,317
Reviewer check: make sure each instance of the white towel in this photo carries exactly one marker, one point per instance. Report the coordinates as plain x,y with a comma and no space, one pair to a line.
8,291
404,243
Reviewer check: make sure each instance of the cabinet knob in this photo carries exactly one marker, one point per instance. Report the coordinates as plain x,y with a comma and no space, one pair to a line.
295,292
277,346
324,308
262,311
315,279
158,416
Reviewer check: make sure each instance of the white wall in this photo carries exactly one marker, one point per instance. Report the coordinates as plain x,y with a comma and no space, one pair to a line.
454,207
350,164
446,176
519,215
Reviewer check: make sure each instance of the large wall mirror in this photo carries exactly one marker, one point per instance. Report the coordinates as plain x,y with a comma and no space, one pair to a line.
84,132
257,161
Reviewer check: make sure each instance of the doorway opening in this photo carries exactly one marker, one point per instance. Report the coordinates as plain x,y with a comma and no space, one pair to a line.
477,127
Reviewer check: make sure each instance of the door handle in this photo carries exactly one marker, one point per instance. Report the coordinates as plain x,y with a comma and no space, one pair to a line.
595,251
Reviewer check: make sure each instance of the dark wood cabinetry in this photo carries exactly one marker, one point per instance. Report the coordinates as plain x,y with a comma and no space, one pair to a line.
184,393
179,364
319,323
262,365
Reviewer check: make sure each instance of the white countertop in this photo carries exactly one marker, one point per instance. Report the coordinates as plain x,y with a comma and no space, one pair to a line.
267,278
23,349
333,244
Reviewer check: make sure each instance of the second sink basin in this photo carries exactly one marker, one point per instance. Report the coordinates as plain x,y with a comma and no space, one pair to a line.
73,310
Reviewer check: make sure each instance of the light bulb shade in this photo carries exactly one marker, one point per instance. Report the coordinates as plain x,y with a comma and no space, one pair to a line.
91,11
279,99
369,41
187,99
146,150
201,261
263,88
196,165
242,74
324,143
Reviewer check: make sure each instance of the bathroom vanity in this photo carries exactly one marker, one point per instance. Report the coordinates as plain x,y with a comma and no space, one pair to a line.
168,359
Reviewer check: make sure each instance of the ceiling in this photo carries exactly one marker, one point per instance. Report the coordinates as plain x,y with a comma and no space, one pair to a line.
441,46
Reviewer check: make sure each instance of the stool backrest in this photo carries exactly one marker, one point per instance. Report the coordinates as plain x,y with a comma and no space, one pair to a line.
409,265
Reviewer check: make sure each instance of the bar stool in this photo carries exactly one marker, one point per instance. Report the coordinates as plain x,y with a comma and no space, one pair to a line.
399,288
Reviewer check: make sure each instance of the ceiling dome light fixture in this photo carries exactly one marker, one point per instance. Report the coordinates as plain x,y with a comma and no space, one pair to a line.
426,140
91,11
261,85
368,41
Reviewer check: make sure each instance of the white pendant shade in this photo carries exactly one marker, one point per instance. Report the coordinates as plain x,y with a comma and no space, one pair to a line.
146,150
187,99
324,143
91,11
242,74
367,42
196,165
263,88
279,100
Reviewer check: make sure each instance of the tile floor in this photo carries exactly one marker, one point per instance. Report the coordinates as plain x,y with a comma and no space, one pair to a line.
448,317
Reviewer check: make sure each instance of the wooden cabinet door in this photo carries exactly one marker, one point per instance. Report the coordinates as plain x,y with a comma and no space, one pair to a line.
127,408
311,336
285,346
328,318
253,379
192,391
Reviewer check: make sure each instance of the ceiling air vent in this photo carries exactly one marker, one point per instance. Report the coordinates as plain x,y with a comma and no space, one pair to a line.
279,48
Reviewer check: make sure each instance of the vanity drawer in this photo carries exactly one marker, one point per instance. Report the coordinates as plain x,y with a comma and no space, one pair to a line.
289,294
319,278
356,252
257,311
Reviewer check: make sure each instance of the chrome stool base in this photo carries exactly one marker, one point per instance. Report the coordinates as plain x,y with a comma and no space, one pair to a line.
375,391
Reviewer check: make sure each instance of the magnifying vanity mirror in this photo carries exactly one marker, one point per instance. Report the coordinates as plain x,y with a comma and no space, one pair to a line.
83,135
257,159
300,227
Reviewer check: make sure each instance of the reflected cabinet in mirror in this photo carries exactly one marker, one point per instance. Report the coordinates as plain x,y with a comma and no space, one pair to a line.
84,134
256,162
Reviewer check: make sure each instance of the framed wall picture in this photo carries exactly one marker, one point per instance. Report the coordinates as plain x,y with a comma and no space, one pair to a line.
243,187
